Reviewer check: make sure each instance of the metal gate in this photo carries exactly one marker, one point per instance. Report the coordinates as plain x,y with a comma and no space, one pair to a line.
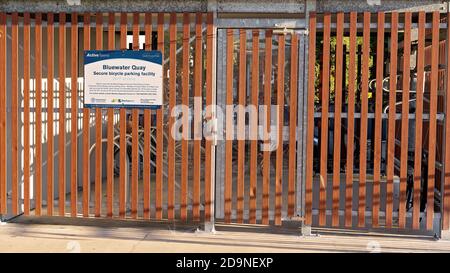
260,72
120,163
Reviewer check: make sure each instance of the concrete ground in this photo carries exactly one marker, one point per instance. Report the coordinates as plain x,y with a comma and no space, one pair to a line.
44,234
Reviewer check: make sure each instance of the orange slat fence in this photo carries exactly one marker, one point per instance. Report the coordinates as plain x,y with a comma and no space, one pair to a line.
114,163
386,116
375,150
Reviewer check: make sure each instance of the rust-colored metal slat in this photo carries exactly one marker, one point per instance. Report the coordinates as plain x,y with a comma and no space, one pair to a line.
3,45
378,110
26,113
50,112
432,128
419,122
74,116
134,134
62,114
229,124
279,152
293,125
147,126
351,120
446,207
98,126
242,97
110,130
172,102
391,120
253,133
324,120
86,125
209,94
197,115
14,116
159,130
38,112
364,110
405,120
310,125
123,131
267,124
185,121
337,119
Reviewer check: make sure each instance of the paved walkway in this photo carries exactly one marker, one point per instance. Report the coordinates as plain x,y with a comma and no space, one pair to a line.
101,235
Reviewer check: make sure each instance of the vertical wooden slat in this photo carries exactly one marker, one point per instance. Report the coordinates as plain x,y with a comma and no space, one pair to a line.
242,95
134,162
310,118
110,129
446,191
351,120
26,113
432,128
134,134
419,126
62,114
279,153
197,115
391,120
337,119
293,125
209,94
3,186
364,110
159,128
147,126
172,102
378,110
38,112
253,130
50,111
229,124
267,124
405,120
14,116
185,102
123,130
86,125
98,126
74,115
324,120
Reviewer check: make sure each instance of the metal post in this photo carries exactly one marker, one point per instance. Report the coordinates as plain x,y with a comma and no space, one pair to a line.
220,97
209,223
300,126
310,5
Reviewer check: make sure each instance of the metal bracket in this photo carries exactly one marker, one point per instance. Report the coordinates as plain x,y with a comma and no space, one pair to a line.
284,25
283,31
214,124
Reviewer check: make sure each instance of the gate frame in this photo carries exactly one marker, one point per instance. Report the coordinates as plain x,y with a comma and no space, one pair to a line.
300,27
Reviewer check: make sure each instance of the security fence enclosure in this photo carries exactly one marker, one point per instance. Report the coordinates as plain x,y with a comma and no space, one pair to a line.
325,113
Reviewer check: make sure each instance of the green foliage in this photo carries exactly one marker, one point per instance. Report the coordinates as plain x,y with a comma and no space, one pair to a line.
346,63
